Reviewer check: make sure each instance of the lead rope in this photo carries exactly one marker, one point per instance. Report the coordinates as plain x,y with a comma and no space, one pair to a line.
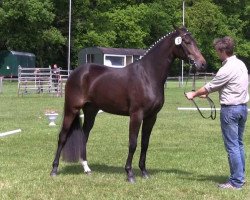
210,101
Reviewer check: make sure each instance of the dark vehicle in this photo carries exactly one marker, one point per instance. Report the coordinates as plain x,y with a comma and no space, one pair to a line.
11,60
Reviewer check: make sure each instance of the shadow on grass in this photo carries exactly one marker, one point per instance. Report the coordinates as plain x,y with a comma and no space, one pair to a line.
107,169
103,168
214,178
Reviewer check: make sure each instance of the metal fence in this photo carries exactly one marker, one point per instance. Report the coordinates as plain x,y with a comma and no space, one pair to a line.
1,84
41,80
181,81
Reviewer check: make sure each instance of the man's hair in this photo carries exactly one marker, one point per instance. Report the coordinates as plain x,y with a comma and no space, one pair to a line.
224,44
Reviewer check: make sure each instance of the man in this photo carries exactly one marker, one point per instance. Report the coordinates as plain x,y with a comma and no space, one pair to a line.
55,76
232,83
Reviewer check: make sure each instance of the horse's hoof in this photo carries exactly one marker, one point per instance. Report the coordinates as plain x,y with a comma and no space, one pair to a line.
131,180
145,175
88,173
53,174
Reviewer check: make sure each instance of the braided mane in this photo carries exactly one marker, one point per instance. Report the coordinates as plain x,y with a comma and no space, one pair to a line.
157,42
153,45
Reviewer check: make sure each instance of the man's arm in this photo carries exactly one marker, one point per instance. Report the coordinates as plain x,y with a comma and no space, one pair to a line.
202,92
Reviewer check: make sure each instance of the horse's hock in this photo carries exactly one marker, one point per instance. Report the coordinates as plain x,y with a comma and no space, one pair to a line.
41,80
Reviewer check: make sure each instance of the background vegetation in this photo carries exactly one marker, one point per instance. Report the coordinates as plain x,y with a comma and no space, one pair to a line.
186,156
41,26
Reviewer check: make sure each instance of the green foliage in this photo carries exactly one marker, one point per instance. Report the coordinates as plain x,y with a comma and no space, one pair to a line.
206,22
127,23
41,26
237,14
161,18
28,27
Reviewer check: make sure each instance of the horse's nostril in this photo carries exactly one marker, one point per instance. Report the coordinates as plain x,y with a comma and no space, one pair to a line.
204,66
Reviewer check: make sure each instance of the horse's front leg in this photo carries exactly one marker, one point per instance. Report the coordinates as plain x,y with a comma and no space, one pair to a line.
134,127
147,127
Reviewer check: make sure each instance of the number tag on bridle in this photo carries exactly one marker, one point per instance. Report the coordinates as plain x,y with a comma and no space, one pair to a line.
178,40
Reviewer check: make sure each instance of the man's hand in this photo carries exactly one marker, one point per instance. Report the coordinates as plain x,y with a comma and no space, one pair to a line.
203,96
190,95
202,93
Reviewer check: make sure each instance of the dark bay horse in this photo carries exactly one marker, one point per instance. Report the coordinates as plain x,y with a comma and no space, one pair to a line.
136,90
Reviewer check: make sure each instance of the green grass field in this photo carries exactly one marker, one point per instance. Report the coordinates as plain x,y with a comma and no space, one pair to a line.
186,157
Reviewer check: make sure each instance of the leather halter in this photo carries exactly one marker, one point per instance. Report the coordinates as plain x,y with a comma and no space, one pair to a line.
193,66
190,60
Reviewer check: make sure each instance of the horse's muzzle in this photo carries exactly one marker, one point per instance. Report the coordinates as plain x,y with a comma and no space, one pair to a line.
199,66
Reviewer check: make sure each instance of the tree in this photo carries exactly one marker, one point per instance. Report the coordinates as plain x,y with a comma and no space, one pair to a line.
41,26
28,27
238,15
210,19
207,22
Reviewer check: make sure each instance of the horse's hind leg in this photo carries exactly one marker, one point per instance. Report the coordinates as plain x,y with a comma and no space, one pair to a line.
147,127
90,113
67,121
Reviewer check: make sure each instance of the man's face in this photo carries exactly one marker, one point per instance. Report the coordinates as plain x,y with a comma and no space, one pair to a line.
221,54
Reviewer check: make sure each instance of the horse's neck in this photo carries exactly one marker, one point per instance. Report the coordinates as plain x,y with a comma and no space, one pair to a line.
158,61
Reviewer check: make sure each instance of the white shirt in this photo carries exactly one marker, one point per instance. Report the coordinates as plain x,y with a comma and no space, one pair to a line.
231,81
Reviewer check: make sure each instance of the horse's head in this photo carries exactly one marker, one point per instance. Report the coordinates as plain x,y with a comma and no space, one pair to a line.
186,49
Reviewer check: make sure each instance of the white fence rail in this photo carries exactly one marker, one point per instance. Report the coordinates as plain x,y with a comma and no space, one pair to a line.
41,80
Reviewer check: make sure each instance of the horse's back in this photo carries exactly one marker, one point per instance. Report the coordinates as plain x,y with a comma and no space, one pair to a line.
84,74
103,86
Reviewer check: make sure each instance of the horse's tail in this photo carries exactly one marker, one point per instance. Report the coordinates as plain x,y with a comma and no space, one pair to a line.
73,146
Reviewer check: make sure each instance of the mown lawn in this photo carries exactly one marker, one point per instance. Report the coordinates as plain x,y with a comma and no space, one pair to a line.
186,156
